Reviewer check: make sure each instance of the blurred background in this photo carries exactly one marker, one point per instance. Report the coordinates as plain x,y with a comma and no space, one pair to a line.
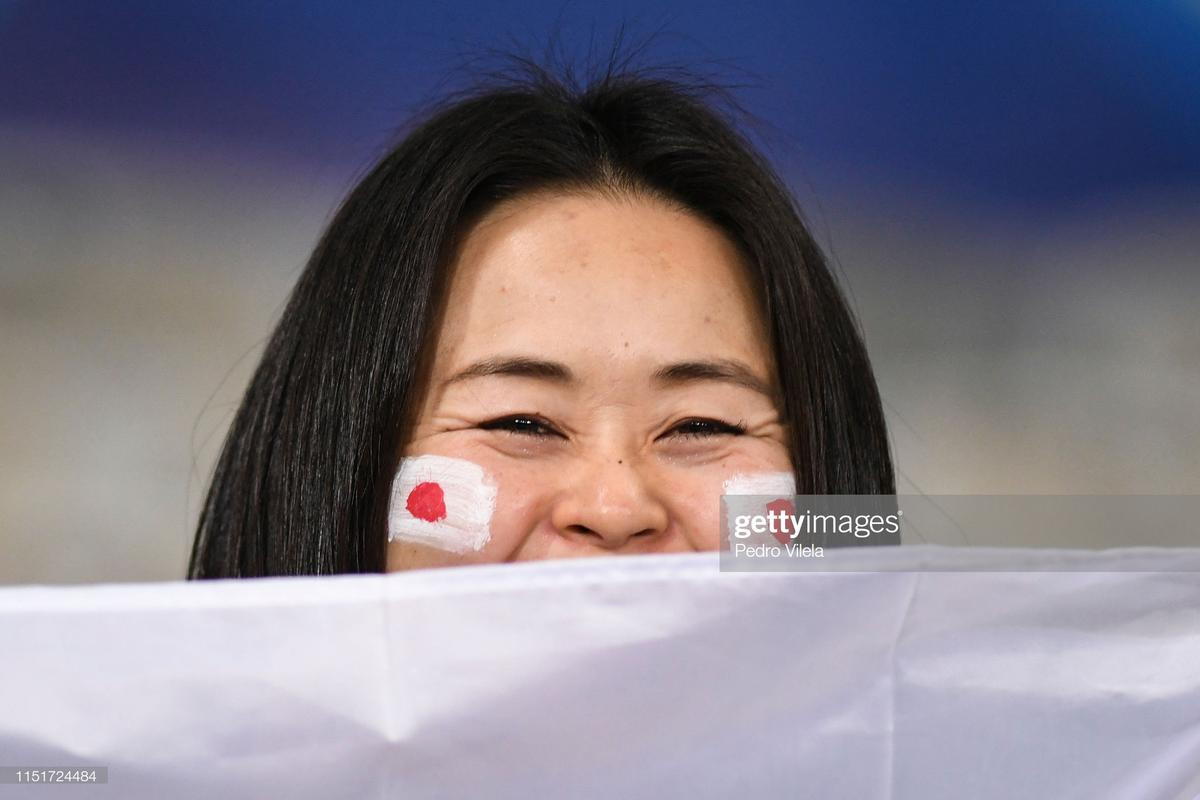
1010,193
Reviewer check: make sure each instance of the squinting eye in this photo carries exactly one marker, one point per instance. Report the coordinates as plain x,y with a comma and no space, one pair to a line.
703,428
524,425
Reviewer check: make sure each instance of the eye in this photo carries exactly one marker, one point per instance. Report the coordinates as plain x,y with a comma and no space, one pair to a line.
703,428
522,424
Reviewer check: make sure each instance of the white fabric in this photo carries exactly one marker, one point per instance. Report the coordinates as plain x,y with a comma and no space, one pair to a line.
625,677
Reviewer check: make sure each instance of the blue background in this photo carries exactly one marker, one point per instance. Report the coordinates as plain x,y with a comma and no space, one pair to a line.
1018,106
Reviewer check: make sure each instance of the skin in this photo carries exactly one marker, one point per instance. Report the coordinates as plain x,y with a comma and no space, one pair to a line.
600,454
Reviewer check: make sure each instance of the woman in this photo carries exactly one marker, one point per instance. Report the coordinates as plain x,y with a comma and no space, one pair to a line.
554,321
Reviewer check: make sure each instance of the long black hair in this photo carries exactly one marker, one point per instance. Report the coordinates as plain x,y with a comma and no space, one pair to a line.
302,482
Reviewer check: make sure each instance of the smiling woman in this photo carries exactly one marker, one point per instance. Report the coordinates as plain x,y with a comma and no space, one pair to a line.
618,372
555,321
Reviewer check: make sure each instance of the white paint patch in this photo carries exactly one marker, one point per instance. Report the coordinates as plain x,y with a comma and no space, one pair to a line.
776,483
468,500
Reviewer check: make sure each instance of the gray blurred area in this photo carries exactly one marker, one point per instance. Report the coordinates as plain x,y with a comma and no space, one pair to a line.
137,286
135,293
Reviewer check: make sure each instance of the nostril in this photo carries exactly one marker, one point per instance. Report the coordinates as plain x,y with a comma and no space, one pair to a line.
605,540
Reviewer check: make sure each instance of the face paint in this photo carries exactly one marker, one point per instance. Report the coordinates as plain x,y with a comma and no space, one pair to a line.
780,486
776,483
442,502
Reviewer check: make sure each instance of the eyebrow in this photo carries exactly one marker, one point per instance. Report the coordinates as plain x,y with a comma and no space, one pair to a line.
722,370
515,367
725,370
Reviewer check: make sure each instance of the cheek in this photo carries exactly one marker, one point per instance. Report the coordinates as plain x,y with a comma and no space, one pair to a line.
447,511
442,503
524,500
697,511
695,503
696,498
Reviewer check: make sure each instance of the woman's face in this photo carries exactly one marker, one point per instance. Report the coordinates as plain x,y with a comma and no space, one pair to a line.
601,373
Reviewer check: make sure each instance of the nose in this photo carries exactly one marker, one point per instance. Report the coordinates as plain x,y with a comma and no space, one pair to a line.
609,504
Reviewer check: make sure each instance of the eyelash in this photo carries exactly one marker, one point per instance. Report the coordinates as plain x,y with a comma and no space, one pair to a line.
528,425
523,425
714,427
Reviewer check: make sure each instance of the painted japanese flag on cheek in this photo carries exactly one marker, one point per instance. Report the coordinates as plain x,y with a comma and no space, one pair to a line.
442,502
778,489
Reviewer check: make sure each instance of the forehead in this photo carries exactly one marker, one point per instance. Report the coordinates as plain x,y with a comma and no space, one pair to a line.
587,277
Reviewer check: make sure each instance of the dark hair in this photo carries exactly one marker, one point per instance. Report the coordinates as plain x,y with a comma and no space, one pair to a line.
302,482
